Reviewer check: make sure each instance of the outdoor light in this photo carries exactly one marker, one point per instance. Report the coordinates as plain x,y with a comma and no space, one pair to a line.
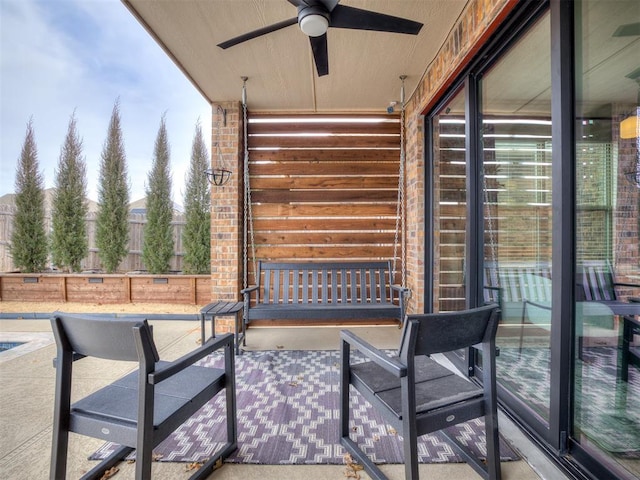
314,25
630,127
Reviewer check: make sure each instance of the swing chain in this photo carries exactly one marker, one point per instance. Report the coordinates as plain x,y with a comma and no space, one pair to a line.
248,211
400,208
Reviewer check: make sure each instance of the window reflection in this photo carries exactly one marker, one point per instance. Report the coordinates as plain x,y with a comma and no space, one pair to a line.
516,146
450,205
607,323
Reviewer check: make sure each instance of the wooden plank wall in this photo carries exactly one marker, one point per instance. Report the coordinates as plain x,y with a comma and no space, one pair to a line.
105,289
324,187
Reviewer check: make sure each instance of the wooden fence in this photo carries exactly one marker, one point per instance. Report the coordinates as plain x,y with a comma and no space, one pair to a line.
106,289
131,263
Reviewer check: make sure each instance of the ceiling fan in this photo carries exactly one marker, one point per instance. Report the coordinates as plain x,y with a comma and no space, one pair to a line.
316,16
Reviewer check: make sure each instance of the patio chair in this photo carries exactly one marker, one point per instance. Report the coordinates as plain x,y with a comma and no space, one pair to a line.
144,407
597,282
417,395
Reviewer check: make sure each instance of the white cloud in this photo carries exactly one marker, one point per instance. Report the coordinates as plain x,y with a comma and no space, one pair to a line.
62,56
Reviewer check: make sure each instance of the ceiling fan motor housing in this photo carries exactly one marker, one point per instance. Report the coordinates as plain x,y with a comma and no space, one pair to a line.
310,19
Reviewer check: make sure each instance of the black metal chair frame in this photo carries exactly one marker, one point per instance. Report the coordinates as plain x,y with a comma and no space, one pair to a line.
417,395
141,409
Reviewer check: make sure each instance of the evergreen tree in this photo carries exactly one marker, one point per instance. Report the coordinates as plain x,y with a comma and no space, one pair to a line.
69,242
112,224
158,247
29,239
196,236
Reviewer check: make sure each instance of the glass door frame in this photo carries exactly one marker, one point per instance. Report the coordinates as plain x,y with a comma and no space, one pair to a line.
554,438
528,14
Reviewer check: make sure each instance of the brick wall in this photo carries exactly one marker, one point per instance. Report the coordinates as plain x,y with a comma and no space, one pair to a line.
478,20
226,209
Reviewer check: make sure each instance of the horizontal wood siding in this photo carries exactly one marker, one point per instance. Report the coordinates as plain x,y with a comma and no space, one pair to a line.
323,187
32,288
111,289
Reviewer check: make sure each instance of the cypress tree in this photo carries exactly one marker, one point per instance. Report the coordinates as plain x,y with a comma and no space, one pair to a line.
69,242
196,236
112,224
158,246
28,245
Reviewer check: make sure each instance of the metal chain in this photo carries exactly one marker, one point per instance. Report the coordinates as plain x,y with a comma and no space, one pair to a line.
248,211
400,208
400,220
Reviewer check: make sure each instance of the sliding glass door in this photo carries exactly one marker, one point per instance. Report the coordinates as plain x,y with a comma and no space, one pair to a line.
550,234
515,105
606,381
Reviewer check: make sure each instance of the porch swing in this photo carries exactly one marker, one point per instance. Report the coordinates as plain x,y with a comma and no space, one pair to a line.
321,290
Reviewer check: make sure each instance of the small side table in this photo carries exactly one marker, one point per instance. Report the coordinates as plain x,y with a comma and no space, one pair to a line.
223,309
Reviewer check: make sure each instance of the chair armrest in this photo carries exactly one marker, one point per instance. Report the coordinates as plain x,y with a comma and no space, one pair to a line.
498,294
74,356
399,289
497,289
190,358
376,355
625,284
250,289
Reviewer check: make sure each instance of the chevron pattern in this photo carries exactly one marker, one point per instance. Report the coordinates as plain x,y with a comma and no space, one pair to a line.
288,413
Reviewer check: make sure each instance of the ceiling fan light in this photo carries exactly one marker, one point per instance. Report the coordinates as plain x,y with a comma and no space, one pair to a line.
314,25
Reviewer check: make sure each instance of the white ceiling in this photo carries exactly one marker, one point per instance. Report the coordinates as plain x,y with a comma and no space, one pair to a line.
364,66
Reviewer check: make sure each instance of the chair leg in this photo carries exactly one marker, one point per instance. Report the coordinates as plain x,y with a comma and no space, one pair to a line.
410,445
524,314
58,468
494,468
143,461
349,445
116,457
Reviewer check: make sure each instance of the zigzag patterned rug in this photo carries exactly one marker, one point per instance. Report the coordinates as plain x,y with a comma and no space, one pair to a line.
288,413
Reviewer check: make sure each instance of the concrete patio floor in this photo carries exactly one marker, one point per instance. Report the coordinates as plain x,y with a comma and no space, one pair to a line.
26,406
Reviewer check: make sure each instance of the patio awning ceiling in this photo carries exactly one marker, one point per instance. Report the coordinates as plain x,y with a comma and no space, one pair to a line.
364,66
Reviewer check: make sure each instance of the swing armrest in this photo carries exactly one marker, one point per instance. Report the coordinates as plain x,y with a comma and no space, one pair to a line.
246,292
400,289
402,292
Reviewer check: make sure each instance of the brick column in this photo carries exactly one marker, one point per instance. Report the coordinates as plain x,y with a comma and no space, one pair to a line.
227,209
479,19
414,208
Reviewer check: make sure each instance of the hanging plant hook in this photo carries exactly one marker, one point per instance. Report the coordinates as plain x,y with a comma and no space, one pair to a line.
218,175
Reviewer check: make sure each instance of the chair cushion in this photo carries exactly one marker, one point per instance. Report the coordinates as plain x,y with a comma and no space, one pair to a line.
379,380
118,402
436,385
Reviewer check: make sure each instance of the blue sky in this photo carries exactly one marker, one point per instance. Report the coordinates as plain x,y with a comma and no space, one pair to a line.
58,57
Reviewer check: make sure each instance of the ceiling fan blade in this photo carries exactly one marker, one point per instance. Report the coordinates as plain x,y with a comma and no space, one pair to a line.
627,30
257,33
320,55
358,19
328,4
